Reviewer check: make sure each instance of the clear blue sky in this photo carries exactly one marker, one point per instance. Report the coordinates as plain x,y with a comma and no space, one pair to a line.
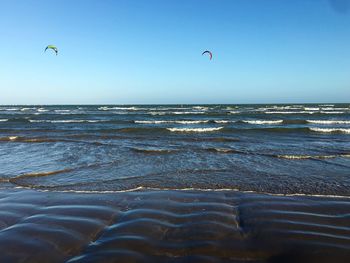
149,51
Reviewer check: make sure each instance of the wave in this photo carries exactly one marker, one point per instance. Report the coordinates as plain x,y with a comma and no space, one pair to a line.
262,122
66,121
9,138
3,120
186,112
223,121
301,157
184,189
157,112
222,150
328,121
62,110
332,112
330,130
194,129
153,150
28,140
311,108
175,112
200,108
27,109
42,110
179,122
289,112
105,108
42,174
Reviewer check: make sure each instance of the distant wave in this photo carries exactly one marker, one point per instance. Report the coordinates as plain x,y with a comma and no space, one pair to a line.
200,108
301,157
194,129
186,112
289,112
26,109
262,122
62,110
3,120
330,130
223,121
332,112
328,121
66,121
179,122
311,108
117,108
175,112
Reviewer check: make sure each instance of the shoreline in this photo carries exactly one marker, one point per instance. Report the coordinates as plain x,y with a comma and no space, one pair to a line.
172,226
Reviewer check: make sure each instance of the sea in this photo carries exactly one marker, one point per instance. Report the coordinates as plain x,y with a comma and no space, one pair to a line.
278,149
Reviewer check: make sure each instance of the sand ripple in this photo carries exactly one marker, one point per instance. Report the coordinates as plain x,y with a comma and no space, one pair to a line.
172,226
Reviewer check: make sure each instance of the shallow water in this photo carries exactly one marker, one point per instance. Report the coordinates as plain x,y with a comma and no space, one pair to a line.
278,149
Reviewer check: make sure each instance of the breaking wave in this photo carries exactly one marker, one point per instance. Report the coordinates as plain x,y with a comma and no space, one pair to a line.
262,122
194,129
330,130
328,121
179,122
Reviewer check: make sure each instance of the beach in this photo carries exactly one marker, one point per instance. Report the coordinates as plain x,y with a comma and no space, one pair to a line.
175,183
172,226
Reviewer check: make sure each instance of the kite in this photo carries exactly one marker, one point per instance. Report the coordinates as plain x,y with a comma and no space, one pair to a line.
210,54
53,48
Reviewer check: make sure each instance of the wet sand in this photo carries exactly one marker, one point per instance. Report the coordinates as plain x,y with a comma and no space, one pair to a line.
172,226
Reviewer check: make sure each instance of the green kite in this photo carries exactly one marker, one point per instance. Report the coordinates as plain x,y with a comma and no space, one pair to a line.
52,47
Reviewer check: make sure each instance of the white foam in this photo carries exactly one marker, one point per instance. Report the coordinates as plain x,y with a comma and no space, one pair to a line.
328,121
330,130
42,110
194,129
187,112
13,138
311,109
104,108
262,122
179,122
3,120
26,109
223,121
200,108
289,112
301,157
157,112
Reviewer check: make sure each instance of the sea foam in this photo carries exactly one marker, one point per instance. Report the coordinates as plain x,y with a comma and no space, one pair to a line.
194,129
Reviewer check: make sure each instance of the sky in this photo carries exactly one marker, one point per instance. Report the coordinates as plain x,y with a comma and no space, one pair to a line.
150,52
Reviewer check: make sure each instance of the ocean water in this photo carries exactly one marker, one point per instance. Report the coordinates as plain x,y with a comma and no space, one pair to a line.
277,149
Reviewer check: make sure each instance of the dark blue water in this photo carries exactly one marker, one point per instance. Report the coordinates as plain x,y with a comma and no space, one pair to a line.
280,149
